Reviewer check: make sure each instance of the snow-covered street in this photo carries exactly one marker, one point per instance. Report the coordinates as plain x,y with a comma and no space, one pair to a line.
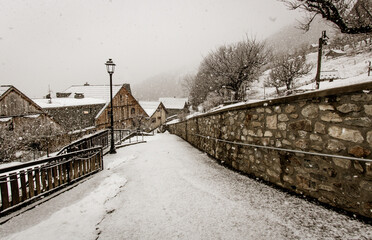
166,189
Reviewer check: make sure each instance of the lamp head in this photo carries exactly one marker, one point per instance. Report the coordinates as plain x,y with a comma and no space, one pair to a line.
110,65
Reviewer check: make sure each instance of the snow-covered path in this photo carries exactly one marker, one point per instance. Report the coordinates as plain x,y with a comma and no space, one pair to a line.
166,189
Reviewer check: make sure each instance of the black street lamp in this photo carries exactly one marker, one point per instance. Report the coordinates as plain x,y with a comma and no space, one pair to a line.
110,69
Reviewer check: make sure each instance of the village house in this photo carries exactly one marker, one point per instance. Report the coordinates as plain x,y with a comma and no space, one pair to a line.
25,127
175,105
73,114
156,112
87,106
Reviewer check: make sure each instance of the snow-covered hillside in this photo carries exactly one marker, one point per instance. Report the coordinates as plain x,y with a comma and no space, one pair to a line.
352,69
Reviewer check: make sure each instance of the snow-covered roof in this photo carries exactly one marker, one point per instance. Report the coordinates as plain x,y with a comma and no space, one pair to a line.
67,102
3,89
149,107
174,103
96,91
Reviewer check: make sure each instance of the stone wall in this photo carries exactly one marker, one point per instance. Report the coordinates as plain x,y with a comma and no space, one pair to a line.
337,122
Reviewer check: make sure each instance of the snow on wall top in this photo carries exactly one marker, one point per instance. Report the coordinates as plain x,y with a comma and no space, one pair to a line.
96,91
67,102
149,107
174,103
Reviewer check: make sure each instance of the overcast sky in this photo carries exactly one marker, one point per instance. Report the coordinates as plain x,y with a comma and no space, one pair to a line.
66,42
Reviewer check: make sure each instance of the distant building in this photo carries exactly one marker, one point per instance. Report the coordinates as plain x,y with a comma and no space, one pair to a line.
24,126
82,106
329,75
174,105
156,112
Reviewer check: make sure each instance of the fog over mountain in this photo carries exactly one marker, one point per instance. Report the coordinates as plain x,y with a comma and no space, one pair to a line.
168,84
291,37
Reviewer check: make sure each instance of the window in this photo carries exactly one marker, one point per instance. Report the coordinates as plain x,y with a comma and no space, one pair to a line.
153,120
133,111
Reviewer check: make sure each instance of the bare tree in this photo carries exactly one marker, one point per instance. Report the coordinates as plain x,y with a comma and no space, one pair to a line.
287,68
350,16
235,64
187,82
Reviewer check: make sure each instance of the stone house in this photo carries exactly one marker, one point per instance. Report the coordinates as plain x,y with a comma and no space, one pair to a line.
174,105
24,126
72,114
89,106
157,113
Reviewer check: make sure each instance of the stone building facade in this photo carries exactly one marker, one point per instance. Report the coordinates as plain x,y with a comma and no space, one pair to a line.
26,131
318,144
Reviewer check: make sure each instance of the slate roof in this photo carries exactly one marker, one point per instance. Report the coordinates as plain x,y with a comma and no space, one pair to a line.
96,91
174,103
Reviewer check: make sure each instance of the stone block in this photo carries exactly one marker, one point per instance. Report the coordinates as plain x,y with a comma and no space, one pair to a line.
325,187
294,115
319,128
302,134
358,151
361,97
314,137
335,146
331,117
286,142
346,134
360,122
348,107
342,163
304,125
366,186
310,111
260,110
256,124
358,167
272,122
273,174
288,179
278,143
368,169
283,118
277,109
324,107
369,137
268,134
368,109
282,126
259,133
290,109
302,144
268,110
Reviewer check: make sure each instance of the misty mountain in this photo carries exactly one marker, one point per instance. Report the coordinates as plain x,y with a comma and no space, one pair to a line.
286,39
291,37
162,85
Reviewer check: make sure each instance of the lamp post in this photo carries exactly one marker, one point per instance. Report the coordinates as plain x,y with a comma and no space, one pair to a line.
110,65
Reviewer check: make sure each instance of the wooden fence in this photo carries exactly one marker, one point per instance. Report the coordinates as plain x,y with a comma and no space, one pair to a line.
27,182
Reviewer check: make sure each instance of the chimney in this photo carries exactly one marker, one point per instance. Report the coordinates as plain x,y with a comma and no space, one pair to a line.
79,95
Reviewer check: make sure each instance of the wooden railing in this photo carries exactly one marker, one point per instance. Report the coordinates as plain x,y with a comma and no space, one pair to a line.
27,182
101,138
